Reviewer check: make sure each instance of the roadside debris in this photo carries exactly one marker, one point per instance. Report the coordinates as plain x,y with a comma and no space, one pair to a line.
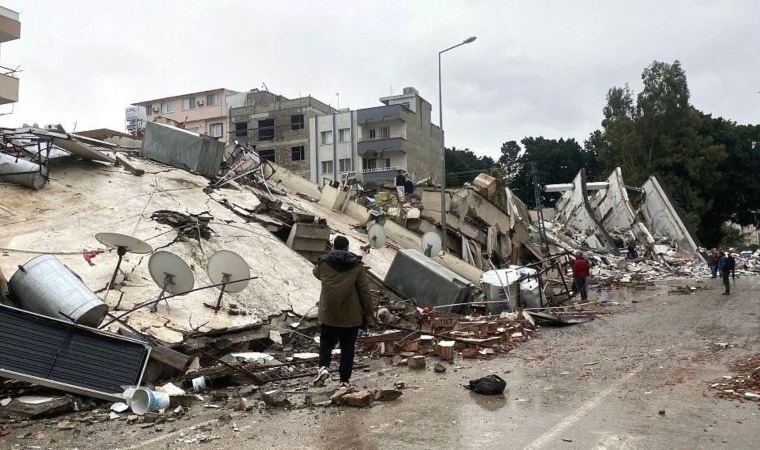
745,384
488,385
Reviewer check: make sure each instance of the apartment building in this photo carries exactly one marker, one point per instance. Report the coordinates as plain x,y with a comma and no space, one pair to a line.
204,112
10,29
277,127
377,142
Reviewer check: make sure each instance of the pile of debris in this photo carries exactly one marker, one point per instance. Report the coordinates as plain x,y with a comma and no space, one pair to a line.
745,384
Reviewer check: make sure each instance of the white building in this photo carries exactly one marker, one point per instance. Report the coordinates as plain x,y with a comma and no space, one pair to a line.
377,142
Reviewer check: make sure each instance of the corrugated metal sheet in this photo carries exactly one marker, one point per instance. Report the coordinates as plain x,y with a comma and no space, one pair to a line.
66,356
181,148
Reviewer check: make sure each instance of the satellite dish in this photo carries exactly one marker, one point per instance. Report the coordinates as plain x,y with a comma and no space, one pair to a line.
376,235
224,266
431,244
123,244
119,241
171,273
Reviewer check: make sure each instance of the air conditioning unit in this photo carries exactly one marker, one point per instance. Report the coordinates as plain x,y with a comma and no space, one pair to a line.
199,102
155,109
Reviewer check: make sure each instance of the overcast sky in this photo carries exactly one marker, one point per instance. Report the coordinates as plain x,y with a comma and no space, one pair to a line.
537,67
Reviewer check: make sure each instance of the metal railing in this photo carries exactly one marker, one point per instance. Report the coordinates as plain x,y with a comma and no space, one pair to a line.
381,169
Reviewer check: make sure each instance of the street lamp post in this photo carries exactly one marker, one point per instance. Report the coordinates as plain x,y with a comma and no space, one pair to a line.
443,147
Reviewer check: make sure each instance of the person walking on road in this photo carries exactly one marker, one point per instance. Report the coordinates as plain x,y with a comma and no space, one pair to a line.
724,266
732,265
345,305
581,268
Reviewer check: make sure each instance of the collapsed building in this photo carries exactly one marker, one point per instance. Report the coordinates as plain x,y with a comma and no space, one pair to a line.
186,199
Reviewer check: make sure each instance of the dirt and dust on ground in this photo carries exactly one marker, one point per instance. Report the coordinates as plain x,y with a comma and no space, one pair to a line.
639,378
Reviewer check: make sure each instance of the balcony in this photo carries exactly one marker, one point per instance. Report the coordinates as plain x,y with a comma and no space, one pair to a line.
378,176
379,114
378,146
10,27
8,89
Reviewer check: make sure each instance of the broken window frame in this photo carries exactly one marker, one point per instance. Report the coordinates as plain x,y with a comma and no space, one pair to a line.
241,131
268,154
297,153
297,122
266,129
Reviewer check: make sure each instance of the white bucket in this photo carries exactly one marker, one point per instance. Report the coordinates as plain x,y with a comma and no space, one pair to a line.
199,384
145,400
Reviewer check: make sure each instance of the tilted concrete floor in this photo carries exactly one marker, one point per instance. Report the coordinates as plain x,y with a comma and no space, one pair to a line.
596,385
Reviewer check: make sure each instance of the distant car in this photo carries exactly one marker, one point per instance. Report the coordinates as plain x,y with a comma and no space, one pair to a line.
746,253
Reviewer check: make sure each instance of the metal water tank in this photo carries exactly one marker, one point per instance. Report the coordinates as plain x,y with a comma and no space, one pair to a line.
45,286
20,171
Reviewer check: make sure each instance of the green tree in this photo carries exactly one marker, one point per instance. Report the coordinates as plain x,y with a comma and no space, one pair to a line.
462,166
510,159
555,161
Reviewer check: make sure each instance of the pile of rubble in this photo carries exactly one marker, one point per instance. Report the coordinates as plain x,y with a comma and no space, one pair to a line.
745,384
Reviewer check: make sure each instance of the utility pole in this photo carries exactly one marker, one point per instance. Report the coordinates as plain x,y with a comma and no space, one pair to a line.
539,210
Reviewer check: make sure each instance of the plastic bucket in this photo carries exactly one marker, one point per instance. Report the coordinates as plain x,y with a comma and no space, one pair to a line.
199,384
145,400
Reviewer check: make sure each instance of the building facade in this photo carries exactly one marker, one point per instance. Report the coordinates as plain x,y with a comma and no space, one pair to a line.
333,142
278,127
204,112
377,142
10,29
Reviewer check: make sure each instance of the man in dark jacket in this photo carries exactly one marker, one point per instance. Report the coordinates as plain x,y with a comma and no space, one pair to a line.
725,271
732,265
344,305
581,269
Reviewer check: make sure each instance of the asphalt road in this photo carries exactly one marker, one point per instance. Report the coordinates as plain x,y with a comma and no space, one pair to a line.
636,379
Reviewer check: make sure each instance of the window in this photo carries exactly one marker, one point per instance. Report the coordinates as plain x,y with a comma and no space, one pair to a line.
344,135
267,154
326,138
188,103
213,99
241,129
216,130
387,162
369,164
167,107
327,167
266,130
193,129
296,122
372,133
297,153
149,110
385,132
405,105
344,165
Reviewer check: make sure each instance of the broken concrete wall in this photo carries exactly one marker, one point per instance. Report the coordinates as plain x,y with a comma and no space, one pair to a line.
613,209
663,219
574,210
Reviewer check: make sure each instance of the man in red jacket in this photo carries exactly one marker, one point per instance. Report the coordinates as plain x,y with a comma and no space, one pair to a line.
581,268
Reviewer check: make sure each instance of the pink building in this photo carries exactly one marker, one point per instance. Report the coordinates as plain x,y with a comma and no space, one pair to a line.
202,112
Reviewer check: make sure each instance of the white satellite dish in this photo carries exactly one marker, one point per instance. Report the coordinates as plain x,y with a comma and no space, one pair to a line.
119,241
123,244
376,234
171,273
431,244
225,266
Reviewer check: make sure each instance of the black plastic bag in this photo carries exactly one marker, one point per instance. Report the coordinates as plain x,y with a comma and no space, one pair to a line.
488,385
